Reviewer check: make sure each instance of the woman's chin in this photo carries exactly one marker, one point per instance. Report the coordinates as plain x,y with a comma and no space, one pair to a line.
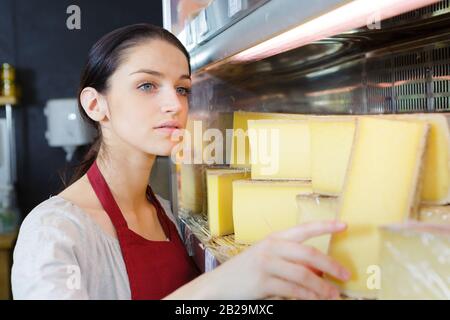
165,153
157,147
163,150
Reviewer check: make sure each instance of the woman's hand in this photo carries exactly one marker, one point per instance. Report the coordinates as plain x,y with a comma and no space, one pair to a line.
278,266
281,266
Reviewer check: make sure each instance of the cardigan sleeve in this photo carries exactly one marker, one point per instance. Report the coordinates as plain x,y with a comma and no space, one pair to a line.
46,259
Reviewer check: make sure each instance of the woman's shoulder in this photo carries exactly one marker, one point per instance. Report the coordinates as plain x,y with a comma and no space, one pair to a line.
52,239
64,218
55,214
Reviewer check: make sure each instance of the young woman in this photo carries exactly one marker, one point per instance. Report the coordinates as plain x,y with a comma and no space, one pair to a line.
108,236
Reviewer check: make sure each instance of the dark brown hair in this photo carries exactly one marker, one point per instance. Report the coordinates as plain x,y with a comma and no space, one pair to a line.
103,60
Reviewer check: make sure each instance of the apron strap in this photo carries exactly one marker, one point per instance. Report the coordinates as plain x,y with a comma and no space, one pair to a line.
105,197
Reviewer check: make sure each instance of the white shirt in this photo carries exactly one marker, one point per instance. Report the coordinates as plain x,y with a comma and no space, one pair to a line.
62,253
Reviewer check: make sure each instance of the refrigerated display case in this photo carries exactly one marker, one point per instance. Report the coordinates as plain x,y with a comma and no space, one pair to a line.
328,57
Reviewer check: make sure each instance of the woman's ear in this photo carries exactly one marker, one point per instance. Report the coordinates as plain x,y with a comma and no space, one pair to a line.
94,104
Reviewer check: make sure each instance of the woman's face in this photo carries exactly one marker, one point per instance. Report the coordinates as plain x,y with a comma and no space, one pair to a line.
148,98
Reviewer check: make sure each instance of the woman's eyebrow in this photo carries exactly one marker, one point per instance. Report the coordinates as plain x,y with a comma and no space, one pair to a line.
158,74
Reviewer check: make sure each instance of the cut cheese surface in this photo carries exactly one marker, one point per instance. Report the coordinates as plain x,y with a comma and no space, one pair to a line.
436,175
381,188
263,207
317,208
240,154
220,199
415,262
331,145
280,149
434,214
436,184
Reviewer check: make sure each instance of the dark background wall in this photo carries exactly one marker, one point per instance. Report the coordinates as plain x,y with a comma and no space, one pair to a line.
48,58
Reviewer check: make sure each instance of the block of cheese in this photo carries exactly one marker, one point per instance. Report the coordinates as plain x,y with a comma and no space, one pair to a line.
381,188
220,199
434,214
436,176
317,208
331,144
415,262
280,149
240,154
192,187
264,207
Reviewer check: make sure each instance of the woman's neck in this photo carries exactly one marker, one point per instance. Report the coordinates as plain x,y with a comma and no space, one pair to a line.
127,177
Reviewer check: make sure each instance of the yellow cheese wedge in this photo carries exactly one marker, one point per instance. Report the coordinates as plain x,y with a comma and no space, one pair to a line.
280,149
240,154
192,187
220,199
331,144
436,176
317,208
434,214
264,207
436,184
415,262
381,188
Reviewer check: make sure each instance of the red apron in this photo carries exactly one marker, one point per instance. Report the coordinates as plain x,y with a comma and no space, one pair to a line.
154,268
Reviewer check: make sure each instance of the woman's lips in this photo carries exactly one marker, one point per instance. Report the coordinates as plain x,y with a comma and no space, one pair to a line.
168,130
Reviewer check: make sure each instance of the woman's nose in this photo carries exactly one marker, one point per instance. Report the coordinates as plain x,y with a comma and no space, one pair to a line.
171,101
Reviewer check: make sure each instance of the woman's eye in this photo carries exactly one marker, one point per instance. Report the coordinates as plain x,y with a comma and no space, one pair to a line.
183,91
146,87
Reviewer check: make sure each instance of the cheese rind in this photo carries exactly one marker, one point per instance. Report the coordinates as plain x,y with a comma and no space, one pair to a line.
264,207
415,262
280,149
331,145
220,199
434,214
381,187
317,208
